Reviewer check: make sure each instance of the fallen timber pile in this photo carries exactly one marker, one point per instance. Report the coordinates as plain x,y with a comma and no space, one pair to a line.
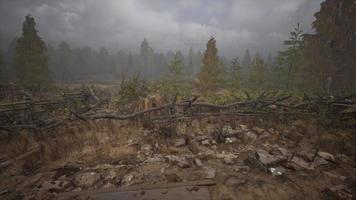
41,114
336,111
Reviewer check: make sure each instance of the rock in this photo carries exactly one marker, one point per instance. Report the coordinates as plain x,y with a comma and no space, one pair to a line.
242,168
278,171
258,130
265,135
283,151
205,142
230,140
210,172
147,149
146,133
180,161
306,155
273,107
180,142
229,161
228,158
228,131
155,158
250,135
326,156
108,185
198,162
86,179
110,175
243,127
127,180
302,163
267,159
319,162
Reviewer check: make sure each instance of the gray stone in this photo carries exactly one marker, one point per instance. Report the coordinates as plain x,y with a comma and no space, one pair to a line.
86,179
230,140
326,156
180,142
198,162
258,130
205,142
319,162
243,127
229,131
302,163
277,171
110,175
180,161
250,135
210,172
306,155
127,180
229,161
267,159
108,185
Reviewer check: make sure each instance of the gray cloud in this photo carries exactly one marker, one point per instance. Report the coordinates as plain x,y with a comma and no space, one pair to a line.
260,25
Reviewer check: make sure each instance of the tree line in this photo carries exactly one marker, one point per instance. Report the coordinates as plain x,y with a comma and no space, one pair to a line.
322,62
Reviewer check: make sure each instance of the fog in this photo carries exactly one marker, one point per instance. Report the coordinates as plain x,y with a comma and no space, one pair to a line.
260,25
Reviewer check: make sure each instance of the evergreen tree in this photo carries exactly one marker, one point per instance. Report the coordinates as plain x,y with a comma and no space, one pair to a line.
64,52
190,66
292,57
31,61
246,66
3,70
146,54
211,72
175,70
236,73
258,73
130,61
269,61
246,61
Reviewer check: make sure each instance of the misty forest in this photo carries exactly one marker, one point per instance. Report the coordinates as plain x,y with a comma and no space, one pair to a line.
178,99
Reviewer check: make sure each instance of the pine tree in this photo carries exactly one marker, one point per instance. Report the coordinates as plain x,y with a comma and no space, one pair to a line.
246,66
190,67
31,61
175,70
246,61
236,73
293,55
258,72
130,61
211,72
64,52
146,54
3,70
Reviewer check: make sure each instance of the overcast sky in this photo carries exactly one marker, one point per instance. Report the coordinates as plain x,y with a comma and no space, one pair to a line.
260,25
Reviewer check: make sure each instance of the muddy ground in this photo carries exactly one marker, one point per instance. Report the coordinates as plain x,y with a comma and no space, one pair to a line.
247,158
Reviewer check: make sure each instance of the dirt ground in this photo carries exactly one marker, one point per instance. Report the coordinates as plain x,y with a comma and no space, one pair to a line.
247,158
